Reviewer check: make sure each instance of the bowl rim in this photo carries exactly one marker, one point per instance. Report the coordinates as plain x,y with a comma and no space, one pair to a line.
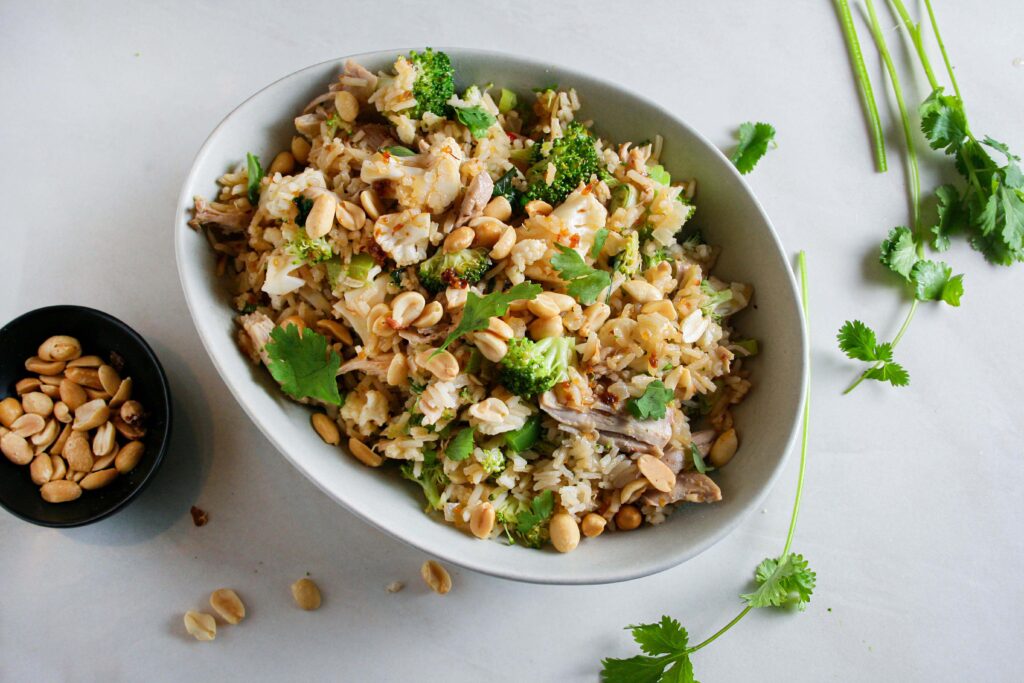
626,573
164,390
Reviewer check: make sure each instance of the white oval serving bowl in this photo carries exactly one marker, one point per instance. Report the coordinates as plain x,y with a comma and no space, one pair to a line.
728,213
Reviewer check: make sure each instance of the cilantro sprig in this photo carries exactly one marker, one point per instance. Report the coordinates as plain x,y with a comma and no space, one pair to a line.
986,207
779,582
754,139
461,445
480,309
254,173
477,119
302,365
585,283
651,405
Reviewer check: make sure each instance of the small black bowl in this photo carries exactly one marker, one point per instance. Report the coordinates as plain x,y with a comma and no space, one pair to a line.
101,335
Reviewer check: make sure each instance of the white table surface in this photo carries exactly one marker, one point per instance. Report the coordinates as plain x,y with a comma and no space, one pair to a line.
912,514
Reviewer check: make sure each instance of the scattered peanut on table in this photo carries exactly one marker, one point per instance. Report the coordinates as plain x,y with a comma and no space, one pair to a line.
74,424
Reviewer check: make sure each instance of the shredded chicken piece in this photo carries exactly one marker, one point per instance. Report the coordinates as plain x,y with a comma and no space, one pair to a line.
226,216
636,436
377,366
691,487
477,195
257,327
349,80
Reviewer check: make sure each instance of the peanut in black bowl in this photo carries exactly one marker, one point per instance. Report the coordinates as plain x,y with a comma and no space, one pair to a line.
105,336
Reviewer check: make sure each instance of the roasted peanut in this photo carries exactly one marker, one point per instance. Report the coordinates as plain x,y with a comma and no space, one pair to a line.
662,307
321,217
37,403
459,239
306,594
406,308
628,518
283,163
543,328
48,435
363,453
487,231
16,448
128,457
27,386
97,480
490,346
86,362
300,149
543,306
72,394
481,520
91,415
123,393
642,291
44,367
593,525
398,370
109,379
565,533
200,626
537,207
350,216
500,329
656,472
78,452
436,576
62,412
60,468
499,208
430,316
60,491
228,605
104,441
28,424
503,247
10,410
347,106
723,448
335,329
86,377
326,428
444,366
58,445
59,348
632,490
371,204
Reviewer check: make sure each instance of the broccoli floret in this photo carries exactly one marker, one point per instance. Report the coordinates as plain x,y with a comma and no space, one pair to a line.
627,261
310,250
653,255
493,461
526,522
575,159
458,268
434,84
530,368
623,196
432,478
714,301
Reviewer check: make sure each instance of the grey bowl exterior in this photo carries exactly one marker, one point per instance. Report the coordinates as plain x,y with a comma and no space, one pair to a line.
728,212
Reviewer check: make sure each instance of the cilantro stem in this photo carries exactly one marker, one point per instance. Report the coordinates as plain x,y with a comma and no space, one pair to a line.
914,179
802,267
915,37
942,49
864,83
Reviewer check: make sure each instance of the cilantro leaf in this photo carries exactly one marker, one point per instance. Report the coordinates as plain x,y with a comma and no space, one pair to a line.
753,144
399,151
665,644
933,281
890,372
651,405
782,581
943,121
477,119
528,521
600,237
658,174
585,283
302,365
503,186
899,252
858,341
952,216
461,446
522,439
254,173
698,460
480,309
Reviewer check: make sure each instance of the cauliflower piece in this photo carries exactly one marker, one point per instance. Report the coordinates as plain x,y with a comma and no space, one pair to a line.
280,266
582,216
436,184
667,215
524,254
394,92
278,200
381,166
368,410
356,304
404,236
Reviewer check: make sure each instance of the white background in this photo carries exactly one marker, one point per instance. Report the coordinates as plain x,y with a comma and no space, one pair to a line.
912,514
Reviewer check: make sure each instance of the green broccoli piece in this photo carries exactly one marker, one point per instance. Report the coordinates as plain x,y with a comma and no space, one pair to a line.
310,250
434,84
575,159
628,260
459,268
526,522
653,255
714,301
494,461
623,196
432,478
530,368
